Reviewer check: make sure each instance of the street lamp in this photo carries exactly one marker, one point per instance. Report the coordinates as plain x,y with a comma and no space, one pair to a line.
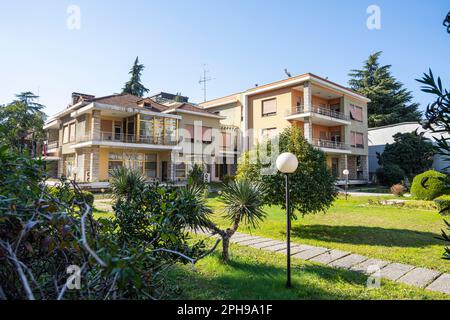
287,163
346,173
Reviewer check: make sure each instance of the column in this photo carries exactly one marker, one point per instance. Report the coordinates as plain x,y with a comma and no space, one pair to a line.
94,166
245,145
95,125
308,130
307,96
171,166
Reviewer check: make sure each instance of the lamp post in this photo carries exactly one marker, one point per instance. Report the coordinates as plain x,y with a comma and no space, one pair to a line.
287,163
346,173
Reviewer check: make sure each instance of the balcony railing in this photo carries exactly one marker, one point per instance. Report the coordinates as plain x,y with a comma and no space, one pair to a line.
158,139
322,111
52,144
330,144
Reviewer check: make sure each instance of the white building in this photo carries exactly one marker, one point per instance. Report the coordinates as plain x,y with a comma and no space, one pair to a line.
380,136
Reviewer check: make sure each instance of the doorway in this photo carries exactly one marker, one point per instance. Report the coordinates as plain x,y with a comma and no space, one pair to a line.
164,167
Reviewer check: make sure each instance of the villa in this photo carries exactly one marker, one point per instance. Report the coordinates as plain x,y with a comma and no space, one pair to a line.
164,135
332,118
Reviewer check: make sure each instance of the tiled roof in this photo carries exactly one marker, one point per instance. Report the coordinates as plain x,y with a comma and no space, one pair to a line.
123,99
191,107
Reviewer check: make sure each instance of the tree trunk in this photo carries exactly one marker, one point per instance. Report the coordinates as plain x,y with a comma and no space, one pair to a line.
225,246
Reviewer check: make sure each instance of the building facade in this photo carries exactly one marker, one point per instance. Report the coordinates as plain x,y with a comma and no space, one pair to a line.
93,135
333,118
380,136
163,138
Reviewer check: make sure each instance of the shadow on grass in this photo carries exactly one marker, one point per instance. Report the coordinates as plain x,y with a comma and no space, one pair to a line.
255,280
362,235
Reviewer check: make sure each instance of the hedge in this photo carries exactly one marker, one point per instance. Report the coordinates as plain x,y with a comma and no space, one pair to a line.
432,188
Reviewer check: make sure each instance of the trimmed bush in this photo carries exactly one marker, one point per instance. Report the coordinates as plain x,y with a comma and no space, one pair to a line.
398,190
443,204
433,187
390,174
66,195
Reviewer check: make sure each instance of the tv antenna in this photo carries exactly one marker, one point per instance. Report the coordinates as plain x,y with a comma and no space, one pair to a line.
204,80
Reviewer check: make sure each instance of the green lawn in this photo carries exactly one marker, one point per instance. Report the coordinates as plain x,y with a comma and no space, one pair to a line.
404,235
255,274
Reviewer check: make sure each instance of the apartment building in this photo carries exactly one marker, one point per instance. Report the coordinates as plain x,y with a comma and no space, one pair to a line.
94,135
332,117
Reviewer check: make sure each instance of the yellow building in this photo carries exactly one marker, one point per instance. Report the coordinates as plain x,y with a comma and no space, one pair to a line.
332,117
162,140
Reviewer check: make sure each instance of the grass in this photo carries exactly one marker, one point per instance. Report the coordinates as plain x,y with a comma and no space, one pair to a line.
255,274
400,234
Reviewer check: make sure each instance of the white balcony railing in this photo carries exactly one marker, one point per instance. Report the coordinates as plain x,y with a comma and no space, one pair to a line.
320,110
330,144
158,139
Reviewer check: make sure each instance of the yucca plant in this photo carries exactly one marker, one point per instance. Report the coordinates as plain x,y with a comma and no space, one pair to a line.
243,201
125,181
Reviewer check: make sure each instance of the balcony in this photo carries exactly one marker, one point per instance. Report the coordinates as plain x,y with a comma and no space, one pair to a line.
319,115
113,139
331,146
52,145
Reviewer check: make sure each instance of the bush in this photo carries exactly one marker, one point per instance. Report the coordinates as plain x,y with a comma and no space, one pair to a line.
227,179
398,190
390,174
196,175
428,185
443,204
67,195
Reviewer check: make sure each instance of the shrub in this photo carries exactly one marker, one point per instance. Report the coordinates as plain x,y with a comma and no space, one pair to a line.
428,185
67,195
398,190
390,174
443,204
227,179
195,175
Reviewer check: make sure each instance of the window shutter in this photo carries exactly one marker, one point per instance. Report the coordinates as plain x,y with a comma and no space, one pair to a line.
269,106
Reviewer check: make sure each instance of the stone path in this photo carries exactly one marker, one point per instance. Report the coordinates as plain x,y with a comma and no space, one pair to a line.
415,276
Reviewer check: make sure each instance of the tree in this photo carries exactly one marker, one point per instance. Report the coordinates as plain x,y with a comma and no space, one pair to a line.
243,204
22,122
390,101
410,151
134,85
437,121
312,186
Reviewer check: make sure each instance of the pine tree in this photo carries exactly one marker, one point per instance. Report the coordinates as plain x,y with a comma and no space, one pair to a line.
134,85
390,101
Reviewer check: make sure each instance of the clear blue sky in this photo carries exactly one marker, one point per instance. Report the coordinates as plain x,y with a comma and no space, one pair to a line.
242,42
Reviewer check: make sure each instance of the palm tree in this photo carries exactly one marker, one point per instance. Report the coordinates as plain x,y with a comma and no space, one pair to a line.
243,203
124,182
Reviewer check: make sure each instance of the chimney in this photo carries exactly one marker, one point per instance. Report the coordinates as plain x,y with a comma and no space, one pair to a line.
76,97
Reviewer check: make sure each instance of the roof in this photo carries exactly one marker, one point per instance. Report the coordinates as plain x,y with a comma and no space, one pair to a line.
189,108
287,81
123,99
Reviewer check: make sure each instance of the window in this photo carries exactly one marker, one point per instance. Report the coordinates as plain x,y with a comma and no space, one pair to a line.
356,140
150,165
66,134
226,140
269,107
180,170
207,134
72,132
69,166
269,133
189,135
356,113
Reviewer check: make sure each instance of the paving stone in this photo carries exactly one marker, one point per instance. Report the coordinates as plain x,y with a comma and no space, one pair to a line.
297,248
394,271
310,253
241,239
419,277
254,241
276,247
330,256
441,284
348,261
263,245
370,266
